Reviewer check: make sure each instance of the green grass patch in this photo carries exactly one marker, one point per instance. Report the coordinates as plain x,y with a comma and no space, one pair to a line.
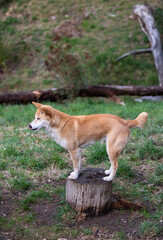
150,228
124,169
149,150
21,183
66,214
96,154
120,236
33,197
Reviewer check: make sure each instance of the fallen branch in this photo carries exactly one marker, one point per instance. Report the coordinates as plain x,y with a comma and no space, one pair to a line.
135,52
119,203
56,94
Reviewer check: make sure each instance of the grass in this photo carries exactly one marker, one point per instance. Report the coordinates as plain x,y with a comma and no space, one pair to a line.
21,183
33,197
31,162
120,236
150,228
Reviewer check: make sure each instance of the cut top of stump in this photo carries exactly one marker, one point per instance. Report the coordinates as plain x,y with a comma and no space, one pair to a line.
91,176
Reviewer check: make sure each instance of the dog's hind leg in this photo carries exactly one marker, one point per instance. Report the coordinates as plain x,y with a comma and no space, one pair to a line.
76,159
115,145
114,166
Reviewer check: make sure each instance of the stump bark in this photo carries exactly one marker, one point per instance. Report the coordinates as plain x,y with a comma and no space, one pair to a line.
89,193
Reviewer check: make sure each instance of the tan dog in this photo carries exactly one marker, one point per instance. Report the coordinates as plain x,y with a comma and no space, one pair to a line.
76,132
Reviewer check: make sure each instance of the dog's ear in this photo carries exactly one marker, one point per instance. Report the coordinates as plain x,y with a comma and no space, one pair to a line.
38,105
48,111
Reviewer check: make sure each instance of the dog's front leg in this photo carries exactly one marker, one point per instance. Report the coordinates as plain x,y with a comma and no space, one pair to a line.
76,159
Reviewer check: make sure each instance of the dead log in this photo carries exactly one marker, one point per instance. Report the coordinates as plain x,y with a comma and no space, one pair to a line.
56,94
89,193
52,95
148,26
104,90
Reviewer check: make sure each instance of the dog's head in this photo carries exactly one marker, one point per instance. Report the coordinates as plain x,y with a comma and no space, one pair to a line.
43,117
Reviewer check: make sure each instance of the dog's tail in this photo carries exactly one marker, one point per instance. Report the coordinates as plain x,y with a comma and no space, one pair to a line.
139,121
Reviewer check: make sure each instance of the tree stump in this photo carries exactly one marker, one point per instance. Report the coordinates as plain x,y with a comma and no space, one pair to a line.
89,193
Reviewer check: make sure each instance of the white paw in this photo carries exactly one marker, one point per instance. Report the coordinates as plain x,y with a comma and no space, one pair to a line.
73,175
108,179
107,172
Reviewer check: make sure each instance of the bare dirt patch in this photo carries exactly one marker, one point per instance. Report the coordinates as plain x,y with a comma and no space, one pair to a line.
68,29
7,204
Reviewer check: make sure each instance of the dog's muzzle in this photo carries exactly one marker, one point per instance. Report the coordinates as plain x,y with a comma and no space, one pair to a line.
30,127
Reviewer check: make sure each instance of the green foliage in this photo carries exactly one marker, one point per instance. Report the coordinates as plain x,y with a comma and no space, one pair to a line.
65,67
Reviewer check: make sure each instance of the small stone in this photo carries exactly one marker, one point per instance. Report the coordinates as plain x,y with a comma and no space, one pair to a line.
112,15
131,17
62,239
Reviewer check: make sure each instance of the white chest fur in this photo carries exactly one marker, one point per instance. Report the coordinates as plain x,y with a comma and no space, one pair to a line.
54,133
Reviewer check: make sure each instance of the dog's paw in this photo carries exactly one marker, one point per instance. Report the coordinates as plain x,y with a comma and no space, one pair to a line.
108,179
107,172
73,175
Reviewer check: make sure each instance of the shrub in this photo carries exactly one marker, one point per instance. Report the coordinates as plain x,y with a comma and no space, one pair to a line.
65,67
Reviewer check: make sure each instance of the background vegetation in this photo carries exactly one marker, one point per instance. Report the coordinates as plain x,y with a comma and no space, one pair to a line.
107,30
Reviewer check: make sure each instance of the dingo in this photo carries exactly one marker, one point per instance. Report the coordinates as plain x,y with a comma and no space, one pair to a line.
76,132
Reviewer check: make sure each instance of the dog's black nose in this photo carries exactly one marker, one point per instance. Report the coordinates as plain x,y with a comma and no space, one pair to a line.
30,126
